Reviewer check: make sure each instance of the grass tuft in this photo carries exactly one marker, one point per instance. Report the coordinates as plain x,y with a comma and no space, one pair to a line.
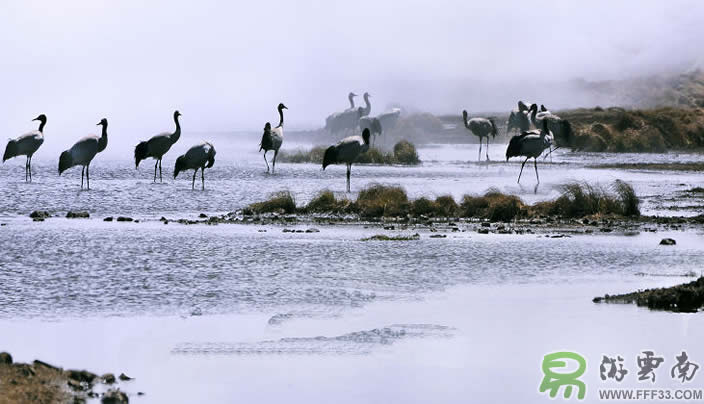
280,202
379,200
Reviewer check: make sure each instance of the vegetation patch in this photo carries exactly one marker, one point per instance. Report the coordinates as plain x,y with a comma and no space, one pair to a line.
581,199
384,237
645,130
653,166
280,202
404,153
375,201
687,298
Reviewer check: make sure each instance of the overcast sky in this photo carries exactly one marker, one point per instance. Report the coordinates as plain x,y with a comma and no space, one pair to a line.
226,65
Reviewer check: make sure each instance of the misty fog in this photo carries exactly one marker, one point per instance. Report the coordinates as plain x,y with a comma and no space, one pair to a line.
226,65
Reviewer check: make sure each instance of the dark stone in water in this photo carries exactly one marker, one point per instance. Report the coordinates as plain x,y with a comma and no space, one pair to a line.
668,241
124,377
483,230
108,219
77,215
438,236
5,358
312,230
39,215
108,378
114,397
202,216
124,219
81,376
486,224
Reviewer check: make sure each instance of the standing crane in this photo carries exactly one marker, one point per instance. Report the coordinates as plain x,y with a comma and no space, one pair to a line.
157,146
26,145
347,151
200,156
482,128
83,152
529,144
273,138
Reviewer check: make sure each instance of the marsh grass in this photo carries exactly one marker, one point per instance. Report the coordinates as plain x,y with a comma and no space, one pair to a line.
376,200
404,153
384,237
280,202
688,297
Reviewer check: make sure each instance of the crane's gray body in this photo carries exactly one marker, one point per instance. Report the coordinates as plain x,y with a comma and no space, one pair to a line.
26,145
200,156
272,139
347,151
84,151
482,128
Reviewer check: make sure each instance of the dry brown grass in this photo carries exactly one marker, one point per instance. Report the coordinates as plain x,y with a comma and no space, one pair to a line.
23,383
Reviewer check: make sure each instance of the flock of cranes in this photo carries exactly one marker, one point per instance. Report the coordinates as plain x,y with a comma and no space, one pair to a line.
537,130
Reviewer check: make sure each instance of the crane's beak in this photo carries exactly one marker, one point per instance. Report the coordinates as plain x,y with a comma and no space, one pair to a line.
98,124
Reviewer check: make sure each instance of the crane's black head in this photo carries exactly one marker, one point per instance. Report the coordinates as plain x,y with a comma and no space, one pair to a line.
464,115
542,108
366,135
177,114
352,94
282,106
103,122
367,95
533,107
41,118
267,127
180,165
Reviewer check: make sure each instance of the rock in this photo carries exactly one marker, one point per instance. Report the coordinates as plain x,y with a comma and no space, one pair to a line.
163,219
124,377
438,235
81,376
5,358
391,227
483,230
606,230
288,230
486,224
262,230
77,215
44,364
39,215
108,378
114,396
668,241
124,219
312,230
202,216
108,219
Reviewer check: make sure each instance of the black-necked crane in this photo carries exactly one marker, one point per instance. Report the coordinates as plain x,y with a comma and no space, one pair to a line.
560,129
200,156
26,145
83,152
273,138
364,111
529,144
157,146
347,151
482,128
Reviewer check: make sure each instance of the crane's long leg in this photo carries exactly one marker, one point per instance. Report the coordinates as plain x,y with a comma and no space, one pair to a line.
82,171
349,171
487,148
26,167
156,163
273,163
202,179
519,174
160,179
30,168
479,156
193,183
535,163
88,176
267,163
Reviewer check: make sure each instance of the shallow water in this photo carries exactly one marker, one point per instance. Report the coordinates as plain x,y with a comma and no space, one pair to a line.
239,178
249,313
